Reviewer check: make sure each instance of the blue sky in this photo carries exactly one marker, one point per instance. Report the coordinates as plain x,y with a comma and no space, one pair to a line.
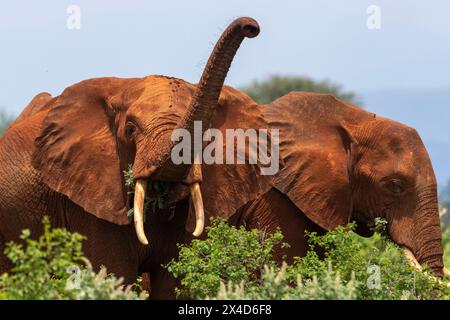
406,60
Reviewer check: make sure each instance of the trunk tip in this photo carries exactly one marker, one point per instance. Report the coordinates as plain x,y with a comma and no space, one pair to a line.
249,27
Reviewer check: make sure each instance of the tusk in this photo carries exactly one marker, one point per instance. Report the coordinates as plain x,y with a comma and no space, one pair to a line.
196,196
139,197
446,272
411,258
414,263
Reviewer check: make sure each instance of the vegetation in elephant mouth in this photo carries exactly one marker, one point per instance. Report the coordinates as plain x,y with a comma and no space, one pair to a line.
156,196
380,226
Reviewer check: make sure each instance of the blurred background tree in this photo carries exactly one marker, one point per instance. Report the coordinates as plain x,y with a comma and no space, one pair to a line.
275,86
444,202
5,120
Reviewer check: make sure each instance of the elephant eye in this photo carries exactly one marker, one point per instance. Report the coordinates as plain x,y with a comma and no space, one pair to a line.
130,128
395,186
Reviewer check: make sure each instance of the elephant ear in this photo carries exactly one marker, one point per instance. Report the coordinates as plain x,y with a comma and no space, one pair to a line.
76,151
40,102
228,187
317,148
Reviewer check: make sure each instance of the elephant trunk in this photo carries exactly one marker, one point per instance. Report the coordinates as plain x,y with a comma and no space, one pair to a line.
208,90
428,247
206,98
425,244
202,107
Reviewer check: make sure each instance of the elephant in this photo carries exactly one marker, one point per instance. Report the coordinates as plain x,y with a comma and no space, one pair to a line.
344,164
65,156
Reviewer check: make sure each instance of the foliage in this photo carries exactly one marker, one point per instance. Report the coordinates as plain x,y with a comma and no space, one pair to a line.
379,266
276,286
88,285
51,267
228,254
225,266
156,195
5,120
274,87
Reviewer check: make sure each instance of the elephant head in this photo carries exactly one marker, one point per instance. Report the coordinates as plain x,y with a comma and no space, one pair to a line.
343,163
97,127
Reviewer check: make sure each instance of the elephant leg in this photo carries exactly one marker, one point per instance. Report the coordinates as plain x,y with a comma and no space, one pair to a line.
162,285
109,245
145,281
274,210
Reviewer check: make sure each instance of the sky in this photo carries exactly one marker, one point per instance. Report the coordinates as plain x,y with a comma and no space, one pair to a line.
400,70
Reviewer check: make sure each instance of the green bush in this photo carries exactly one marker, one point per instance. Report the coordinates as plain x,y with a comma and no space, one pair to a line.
228,254
235,264
379,267
275,285
53,267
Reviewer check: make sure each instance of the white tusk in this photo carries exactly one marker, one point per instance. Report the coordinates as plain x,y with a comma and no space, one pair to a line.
411,258
139,197
446,272
414,263
196,196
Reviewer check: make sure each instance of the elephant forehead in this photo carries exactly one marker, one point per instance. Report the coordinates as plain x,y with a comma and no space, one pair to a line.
391,138
165,92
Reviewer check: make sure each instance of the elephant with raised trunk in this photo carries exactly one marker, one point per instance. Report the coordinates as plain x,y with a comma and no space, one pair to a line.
65,157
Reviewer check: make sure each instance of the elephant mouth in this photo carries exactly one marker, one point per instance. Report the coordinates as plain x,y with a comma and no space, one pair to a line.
162,195
150,197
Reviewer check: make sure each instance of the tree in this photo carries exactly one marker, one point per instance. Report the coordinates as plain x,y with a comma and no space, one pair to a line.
445,194
444,199
5,120
276,86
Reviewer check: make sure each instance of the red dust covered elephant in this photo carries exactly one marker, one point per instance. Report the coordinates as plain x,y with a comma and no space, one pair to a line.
65,157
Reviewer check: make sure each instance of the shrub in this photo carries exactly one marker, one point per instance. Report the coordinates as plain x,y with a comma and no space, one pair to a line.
276,286
88,285
234,263
228,254
52,267
380,268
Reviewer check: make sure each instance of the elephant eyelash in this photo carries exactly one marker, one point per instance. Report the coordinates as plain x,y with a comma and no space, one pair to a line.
395,186
130,129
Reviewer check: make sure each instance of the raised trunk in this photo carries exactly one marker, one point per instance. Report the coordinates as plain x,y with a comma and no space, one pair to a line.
208,90
202,109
